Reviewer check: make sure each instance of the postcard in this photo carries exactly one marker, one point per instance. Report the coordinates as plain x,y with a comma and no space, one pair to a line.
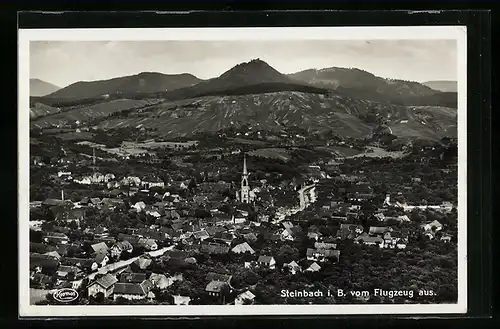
242,171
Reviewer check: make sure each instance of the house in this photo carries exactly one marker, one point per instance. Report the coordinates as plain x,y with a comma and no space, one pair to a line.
131,291
214,249
267,261
101,258
215,288
243,248
118,248
322,255
143,262
293,267
313,268
349,231
325,245
246,297
314,235
148,244
370,240
379,216
290,234
56,237
44,263
446,238
132,239
403,218
149,182
181,300
432,226
213,276
250,237
161,281
100,247
201,235
132,277
54,254
139,206
104,285
378,230
69,272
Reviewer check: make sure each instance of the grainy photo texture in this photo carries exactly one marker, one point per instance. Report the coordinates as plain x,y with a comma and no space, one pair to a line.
241,172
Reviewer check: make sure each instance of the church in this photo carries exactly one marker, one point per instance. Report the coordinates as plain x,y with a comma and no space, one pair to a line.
245,195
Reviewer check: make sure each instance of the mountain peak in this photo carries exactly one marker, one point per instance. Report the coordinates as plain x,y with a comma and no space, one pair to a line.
254,71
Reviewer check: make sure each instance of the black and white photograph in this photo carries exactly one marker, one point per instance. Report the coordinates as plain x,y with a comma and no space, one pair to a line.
241,171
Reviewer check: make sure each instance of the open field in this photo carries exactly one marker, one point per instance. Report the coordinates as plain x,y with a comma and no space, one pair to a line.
273,153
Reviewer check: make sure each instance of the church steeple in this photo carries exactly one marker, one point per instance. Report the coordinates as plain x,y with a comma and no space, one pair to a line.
245,173
245,189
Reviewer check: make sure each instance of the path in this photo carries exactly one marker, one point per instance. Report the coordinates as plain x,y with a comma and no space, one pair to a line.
123,263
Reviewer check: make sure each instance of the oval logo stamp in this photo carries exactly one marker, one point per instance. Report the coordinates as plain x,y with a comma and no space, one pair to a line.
65,295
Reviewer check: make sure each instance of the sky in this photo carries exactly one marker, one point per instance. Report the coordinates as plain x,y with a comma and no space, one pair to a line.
65,62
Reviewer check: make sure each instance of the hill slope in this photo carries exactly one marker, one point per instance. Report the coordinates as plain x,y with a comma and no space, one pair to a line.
146,82
364,85
41,88
268,112
442,85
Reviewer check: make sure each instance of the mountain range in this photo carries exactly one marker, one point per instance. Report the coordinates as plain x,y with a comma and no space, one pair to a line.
442,85
41,88
145,82
351,102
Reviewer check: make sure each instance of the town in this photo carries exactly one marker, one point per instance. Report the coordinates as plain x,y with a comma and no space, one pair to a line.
237,216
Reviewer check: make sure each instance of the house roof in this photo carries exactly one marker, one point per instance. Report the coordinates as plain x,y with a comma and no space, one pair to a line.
314,267
132,277
42,261
106,281
212,276
215,286
293,264
129,289
324,245
142,262
201,234
324,252
99,257
242,248
214,249
265,259
246,295
378,229
250,237
100,247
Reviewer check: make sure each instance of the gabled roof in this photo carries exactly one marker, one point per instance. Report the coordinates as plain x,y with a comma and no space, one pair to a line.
132,277
324,245
265,259
378,229
212,276
242,248
214,249
201,234
100,247
106,281
129,289
324,252
215,286
314,267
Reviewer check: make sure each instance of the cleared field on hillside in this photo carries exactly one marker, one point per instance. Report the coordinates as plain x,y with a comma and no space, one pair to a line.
272,153
378,153
340,150
85,113
75,136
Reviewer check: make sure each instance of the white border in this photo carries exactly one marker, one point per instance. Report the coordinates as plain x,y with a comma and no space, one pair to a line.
457,33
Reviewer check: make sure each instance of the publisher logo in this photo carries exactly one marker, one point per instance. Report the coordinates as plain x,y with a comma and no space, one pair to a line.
65,295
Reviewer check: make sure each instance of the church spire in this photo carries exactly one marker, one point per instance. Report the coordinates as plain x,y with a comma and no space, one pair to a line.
245,165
